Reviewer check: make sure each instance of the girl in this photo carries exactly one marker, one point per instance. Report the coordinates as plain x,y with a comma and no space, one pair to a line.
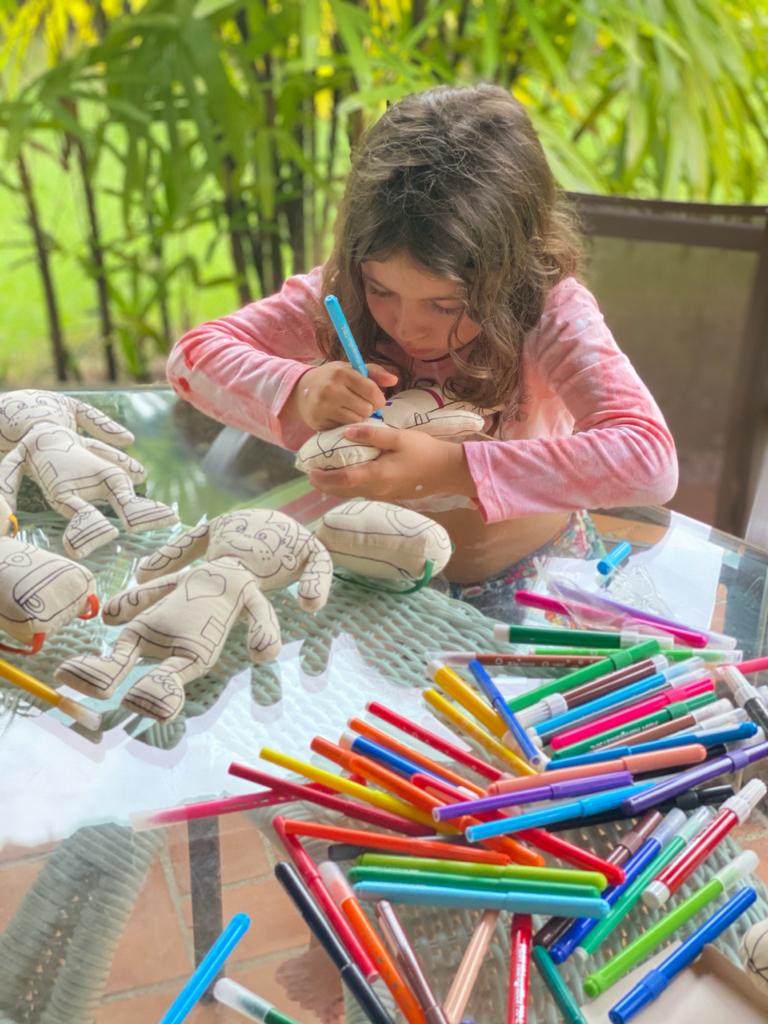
454,262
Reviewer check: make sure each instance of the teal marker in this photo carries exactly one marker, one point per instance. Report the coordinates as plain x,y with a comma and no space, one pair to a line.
557,987
247,1003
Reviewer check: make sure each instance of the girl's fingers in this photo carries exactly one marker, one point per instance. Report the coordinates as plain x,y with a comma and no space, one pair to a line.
381,375
386,438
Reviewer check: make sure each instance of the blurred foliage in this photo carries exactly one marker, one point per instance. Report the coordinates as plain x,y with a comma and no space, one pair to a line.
235,118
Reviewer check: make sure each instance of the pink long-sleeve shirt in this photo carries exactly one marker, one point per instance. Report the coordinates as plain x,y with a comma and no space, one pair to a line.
586,432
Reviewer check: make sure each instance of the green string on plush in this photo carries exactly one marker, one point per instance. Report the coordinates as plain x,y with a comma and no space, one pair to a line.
382,588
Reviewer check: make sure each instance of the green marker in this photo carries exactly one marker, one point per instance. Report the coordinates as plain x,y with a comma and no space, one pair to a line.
477,883
675,710
672,653
462,867
568,637
557,987
632,894
619,659
646,943
239,998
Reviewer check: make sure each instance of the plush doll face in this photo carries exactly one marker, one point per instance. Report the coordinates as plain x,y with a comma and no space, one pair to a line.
267,542
22,410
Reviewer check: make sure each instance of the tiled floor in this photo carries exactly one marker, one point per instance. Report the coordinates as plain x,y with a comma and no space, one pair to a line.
155,954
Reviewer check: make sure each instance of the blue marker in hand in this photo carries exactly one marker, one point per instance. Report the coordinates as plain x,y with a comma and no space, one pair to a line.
344,332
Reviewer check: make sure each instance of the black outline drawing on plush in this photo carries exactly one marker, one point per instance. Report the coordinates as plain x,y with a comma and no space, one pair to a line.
40,592
241,550
423,409
396,532
38,431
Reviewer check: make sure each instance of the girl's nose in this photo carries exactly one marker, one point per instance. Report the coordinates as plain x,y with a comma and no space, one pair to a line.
410,325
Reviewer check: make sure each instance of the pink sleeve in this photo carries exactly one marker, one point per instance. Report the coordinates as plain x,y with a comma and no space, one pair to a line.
620,451
242,368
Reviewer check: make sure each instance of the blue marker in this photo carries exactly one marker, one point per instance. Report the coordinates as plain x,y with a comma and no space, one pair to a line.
667,828
656,980
561,812
207,969
344,331
710,738
399,764
528,748
681,674
608,562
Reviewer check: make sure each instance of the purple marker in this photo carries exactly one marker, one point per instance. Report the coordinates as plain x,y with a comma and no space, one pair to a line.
675,784
555,791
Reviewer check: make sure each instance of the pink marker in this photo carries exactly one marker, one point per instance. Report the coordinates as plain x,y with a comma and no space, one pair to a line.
629,714
755,665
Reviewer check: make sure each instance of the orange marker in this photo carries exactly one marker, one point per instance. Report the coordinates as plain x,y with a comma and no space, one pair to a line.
654,761
344,898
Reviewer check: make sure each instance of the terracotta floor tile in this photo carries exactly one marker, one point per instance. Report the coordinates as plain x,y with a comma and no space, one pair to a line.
137,1007
243,851
263,979
15,880
153,947
275,922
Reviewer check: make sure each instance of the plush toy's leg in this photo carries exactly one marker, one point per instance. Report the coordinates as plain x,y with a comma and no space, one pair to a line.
100,676
160,693
135,513
88,528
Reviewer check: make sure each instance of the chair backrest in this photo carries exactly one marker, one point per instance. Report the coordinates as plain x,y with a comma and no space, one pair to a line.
684,288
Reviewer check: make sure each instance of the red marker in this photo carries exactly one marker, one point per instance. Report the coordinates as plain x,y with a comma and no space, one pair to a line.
733,812
519,969
436,742
309,872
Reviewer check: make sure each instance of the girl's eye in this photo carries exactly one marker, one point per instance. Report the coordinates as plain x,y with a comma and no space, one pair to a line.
377,292
448,311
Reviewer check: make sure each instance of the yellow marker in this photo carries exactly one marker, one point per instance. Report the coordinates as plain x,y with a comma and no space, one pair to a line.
463,694
466,725
85,716
342,785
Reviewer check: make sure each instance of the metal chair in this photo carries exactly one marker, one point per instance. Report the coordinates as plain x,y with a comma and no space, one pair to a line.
684,287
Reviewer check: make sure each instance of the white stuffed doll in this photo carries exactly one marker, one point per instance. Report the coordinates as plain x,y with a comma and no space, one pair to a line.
39,433
40,592
184,618
424,409
385,542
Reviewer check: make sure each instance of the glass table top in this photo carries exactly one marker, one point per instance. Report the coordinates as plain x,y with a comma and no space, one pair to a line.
60,785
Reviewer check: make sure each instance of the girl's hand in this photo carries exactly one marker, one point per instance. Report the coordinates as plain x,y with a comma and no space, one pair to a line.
411,465
333,394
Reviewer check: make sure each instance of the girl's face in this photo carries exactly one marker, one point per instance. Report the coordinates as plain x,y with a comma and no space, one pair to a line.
415,308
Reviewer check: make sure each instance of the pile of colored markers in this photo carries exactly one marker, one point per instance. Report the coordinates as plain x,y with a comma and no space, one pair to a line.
631,734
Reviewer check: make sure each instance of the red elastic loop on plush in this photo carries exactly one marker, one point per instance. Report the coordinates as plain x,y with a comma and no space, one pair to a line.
37,642
93,608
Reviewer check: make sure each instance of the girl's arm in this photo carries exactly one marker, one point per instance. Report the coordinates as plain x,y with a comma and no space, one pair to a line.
620,451
242,369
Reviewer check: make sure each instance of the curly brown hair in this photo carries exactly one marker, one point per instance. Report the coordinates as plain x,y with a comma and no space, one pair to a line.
456,178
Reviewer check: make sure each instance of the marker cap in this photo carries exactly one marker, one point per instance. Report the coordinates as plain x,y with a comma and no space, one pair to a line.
335,882
547,707
700,817
669,826
746,800
735,871
86,717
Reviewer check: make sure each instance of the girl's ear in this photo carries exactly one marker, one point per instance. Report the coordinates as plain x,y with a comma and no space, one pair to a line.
175,554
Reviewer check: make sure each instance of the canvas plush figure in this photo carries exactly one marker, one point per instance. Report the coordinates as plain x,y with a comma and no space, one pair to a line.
40,592
425,409
39,434
385,542
183,619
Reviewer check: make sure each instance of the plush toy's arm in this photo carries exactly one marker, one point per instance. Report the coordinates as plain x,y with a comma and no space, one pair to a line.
175,554
263,628
316,577
99,425
11,473
123,460
130,602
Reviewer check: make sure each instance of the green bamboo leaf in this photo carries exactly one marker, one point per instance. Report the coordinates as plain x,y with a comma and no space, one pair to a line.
353,24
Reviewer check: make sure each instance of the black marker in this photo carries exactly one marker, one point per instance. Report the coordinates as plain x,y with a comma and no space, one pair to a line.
746,695
350,973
